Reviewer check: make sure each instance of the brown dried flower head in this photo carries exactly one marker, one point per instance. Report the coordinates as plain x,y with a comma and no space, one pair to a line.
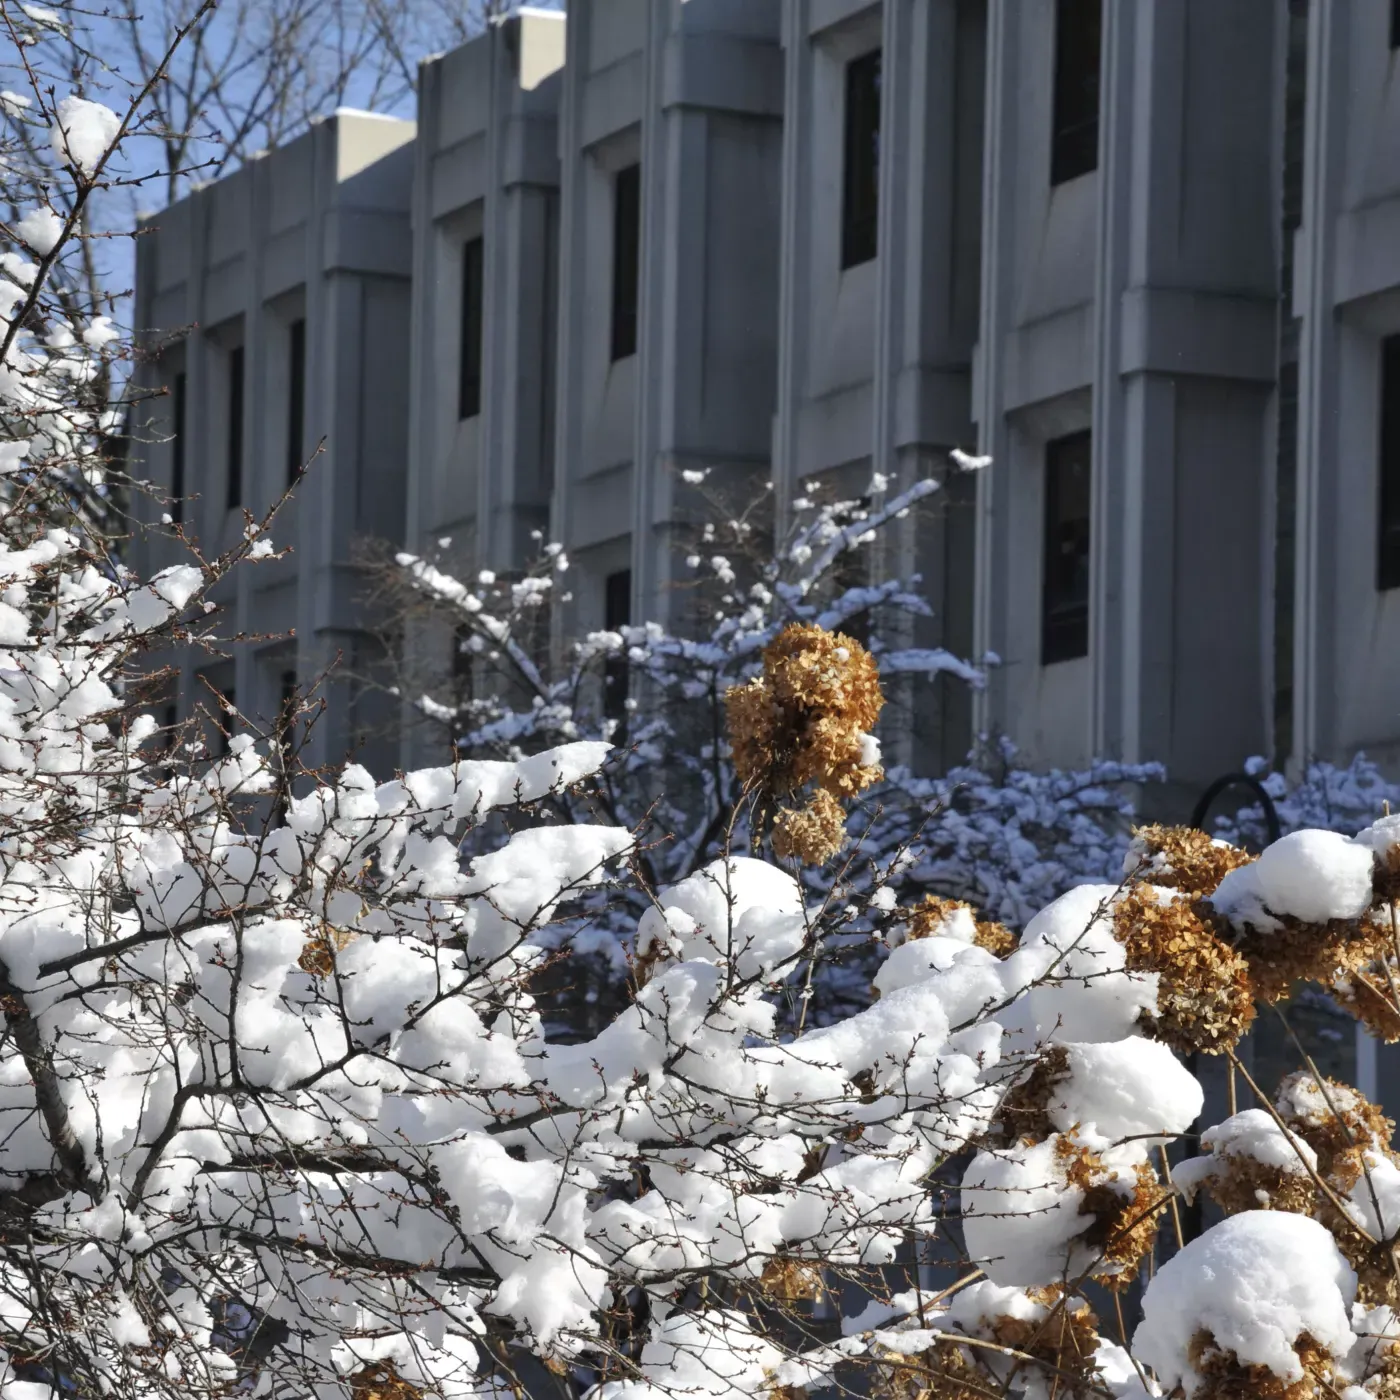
318,952
790,1280
1224,1378
1205,999
1368,993
1239,1182
801,721
1024,1115
380,1381
803,724
1126,1214
1296,951
812,834
1182,858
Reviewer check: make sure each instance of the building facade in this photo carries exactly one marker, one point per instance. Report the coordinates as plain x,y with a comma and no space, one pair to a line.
276,306
1143,256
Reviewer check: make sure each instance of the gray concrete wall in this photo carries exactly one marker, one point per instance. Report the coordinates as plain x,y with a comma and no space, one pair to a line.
691,90
1346,293
317,230
1138,300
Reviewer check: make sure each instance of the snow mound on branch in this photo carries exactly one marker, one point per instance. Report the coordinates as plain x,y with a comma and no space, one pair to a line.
1074,973
1255,1283
1254,1134
1132,1088
715,1355
1021,1219
1310,875
742,912
83,132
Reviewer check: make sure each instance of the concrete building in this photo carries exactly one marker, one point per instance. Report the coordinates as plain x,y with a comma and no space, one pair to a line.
485,252
1126,370
670,140
1142,255
278,301
1345,294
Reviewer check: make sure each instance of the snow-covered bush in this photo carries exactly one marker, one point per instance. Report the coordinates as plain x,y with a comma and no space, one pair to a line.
282,1114
1326,796
991,831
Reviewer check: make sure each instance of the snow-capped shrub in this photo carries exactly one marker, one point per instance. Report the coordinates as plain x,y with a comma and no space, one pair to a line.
283,1114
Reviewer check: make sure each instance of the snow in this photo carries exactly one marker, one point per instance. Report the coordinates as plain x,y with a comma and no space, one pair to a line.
1127,1089
1075,973
742,912
41,229
1256,1282
1313,876
1021,1218
83,132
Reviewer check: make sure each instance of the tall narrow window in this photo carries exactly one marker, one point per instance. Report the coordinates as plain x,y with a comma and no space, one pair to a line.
617,614
627,259
860,178
235,427
1388,545
1395,24
296,397
177,450
1064,619
1074,136
469,352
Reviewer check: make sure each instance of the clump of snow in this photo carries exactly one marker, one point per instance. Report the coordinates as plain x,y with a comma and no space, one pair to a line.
1254,1134
742,912
41,229
1075,973
1313,876
1255,1283
83,132
1132,1088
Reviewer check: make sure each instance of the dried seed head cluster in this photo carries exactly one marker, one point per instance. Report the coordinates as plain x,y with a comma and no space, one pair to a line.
810,834
933,917
1126,1212
380,1381
318,952
1240,1182
1205,1000
805,723
1024,1115
1182,858
1064,1340
1338,1122
789,1280
1224,1378
1296,951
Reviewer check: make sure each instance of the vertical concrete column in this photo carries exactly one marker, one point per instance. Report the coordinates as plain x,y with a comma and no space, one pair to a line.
793,261
990,605
1315,653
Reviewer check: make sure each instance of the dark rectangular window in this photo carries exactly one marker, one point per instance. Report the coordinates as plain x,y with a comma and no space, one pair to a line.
1395,24
469,352
860,177
1064,619
617,614
235,427
1074,136
627,259
296,398
177,450
1388,545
